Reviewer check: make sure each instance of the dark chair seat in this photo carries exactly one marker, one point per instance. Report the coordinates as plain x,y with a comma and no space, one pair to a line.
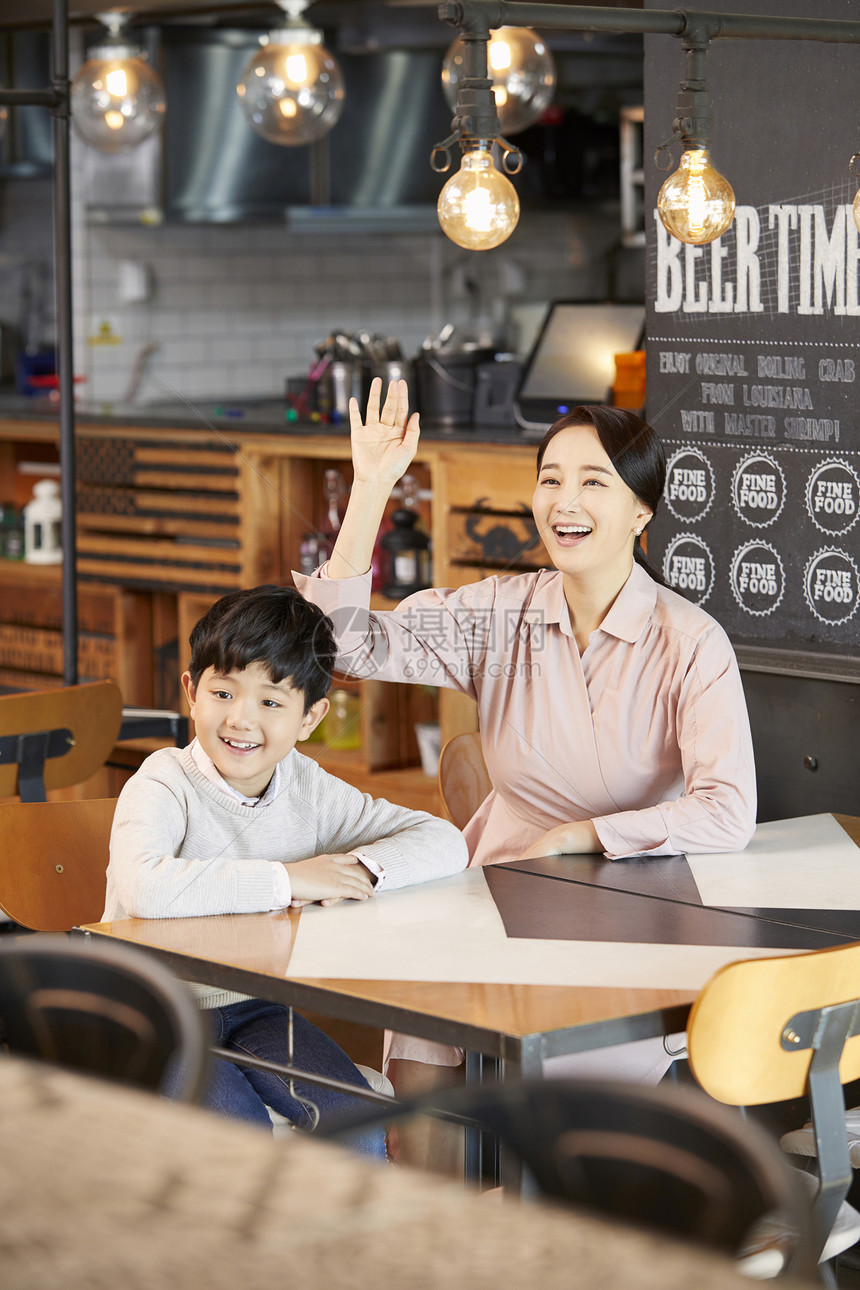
667,1157
103,1010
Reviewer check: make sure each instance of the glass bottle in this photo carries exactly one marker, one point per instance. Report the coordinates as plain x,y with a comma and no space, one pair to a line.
378,560
341,724
409,485
11,532
311,553
334,489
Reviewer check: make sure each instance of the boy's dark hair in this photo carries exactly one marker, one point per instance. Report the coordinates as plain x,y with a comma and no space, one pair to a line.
271,625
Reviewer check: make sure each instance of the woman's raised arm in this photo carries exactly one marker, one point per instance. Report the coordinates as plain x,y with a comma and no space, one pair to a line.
383,445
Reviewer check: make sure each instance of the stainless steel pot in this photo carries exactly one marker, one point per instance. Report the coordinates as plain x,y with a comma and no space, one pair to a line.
340,382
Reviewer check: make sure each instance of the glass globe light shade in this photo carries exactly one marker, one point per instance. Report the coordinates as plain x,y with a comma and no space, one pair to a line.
117,99
521,69
696,204
478,207
856,210
292,90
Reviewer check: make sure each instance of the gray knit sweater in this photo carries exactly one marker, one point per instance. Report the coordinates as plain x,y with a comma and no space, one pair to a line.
181,847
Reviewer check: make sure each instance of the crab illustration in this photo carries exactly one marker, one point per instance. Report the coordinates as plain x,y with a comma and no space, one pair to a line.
499,542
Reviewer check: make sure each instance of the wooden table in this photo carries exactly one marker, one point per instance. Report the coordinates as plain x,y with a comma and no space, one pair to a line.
518,1013
112,1186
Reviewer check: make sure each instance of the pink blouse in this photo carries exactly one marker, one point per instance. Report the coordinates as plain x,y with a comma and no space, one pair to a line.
646,734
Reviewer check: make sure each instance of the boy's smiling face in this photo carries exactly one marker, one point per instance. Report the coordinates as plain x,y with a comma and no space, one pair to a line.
246,722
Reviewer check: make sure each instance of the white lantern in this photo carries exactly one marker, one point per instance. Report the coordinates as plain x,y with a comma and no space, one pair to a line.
42,515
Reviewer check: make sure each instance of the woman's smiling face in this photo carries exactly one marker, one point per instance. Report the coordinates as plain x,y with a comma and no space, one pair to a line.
586,515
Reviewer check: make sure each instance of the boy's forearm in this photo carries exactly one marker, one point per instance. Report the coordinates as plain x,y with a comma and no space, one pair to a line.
353,550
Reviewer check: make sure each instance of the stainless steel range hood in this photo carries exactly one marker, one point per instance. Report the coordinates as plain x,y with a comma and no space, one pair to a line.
371,172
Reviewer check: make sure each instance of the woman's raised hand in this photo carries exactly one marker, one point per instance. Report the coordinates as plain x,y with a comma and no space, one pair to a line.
384,444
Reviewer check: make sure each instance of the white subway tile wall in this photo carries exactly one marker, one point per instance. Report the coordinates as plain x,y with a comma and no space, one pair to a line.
233,310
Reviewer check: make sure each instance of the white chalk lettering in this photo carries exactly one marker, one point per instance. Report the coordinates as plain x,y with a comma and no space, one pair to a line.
759,579
833,585
778,367
721,365
839,369
688,572
713,393
812,429
759,492
833,497
753,425
698,422
674,362
688,486
815,269
777,396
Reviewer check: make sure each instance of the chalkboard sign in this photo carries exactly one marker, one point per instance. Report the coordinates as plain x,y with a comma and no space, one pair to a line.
753,355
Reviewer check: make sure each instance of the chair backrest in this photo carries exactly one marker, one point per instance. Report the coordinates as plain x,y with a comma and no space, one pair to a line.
463,778
664,1158
53,862
104,1010
54,738
736,1026
766,1030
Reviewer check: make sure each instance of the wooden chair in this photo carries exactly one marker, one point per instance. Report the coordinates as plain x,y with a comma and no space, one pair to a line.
463,779
766,1030
53,862
54,738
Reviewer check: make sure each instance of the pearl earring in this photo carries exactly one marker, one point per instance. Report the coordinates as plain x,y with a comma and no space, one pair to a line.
637,532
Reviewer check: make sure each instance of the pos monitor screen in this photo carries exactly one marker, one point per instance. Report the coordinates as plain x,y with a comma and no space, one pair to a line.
573,359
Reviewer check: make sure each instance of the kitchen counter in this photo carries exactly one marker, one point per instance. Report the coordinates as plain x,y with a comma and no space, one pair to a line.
239,416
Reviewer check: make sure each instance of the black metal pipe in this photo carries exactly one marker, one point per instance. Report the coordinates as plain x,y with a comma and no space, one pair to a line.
26,98
65,352
474,14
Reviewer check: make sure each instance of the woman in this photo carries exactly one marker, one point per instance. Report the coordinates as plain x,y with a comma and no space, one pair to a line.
611,709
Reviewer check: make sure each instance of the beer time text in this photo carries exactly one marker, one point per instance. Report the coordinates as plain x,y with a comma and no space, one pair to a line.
817,265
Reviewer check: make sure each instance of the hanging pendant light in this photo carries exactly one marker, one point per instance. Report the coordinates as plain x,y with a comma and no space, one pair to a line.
117,99
478,207
291,91
521,70
696,204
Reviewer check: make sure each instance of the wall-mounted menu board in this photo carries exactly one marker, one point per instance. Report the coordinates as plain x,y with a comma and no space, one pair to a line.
754,342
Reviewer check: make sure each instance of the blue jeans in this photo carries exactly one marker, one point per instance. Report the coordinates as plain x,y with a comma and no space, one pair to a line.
261,1029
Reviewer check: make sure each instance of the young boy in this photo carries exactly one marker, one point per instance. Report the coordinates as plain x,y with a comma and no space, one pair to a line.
239,822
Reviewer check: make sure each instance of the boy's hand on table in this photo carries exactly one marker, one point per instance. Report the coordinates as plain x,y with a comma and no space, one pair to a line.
328,879
565,839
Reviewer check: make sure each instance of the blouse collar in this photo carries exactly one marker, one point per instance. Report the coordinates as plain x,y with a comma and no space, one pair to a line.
626,619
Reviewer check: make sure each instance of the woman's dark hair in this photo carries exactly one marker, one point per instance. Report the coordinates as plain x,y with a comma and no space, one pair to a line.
271,625
635,452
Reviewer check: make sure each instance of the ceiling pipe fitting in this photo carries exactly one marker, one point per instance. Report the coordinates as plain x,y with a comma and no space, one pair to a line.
693,121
